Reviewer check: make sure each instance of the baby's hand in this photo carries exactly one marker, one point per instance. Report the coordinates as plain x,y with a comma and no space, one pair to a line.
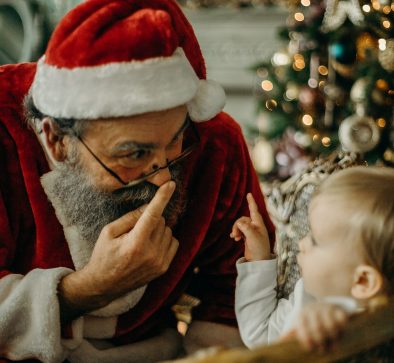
319,325
253,231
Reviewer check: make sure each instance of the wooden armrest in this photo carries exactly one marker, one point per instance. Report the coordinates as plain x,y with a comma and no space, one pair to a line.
363,332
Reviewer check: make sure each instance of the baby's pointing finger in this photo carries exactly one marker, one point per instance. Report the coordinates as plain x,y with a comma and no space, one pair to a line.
254,210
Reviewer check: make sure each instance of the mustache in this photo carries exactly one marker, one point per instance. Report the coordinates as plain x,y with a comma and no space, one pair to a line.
144,192
141,192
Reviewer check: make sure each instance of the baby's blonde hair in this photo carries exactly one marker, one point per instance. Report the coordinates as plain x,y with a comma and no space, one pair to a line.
369,192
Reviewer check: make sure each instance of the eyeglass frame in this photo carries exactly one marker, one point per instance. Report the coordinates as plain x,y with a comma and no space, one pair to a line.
157,170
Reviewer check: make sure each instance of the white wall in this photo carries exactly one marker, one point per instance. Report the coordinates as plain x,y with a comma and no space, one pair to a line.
233,40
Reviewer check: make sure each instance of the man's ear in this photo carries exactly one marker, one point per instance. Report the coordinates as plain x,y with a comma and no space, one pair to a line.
367,282
53,140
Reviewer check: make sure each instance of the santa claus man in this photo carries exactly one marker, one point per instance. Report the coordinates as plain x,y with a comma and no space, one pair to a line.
120,181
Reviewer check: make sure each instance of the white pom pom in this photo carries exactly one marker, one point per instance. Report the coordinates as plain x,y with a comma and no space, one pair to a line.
208,101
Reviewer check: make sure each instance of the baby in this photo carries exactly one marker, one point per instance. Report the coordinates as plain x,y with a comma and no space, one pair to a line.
346,260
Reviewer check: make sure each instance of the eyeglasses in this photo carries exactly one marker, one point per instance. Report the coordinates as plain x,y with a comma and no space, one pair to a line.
186,152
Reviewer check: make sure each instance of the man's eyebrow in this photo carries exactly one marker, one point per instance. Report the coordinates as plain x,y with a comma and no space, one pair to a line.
129,145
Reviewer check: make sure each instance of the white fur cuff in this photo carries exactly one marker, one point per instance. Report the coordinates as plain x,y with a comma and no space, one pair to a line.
29,314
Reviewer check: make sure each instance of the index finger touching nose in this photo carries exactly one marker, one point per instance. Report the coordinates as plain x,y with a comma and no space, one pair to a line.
155,208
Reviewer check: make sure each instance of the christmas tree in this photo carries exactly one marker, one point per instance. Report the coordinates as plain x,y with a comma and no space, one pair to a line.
330,87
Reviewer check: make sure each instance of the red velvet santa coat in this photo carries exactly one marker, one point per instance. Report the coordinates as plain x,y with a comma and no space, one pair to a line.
218,176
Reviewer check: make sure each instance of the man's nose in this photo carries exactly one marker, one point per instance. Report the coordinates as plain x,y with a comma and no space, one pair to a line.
159,162
161,177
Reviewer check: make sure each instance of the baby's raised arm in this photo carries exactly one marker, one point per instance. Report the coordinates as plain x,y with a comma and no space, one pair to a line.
255,294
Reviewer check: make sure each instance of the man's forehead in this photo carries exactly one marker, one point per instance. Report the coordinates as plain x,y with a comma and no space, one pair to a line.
147,132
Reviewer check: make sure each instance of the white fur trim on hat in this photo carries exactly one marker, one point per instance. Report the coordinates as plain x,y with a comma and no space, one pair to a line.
124,89
208,101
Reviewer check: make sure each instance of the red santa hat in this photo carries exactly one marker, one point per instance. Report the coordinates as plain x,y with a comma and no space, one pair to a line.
114,58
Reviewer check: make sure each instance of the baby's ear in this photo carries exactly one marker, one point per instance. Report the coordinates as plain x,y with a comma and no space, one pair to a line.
367,282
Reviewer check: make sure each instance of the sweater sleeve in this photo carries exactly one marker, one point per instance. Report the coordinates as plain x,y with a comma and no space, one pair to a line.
261,317
255,301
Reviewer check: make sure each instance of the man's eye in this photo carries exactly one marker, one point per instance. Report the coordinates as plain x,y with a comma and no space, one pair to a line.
138,154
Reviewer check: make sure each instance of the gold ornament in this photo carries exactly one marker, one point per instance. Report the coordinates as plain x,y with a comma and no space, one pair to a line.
386,56
271,104
381,93
366,43
345,70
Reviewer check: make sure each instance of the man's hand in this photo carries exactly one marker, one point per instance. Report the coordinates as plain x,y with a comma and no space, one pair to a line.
319,325
130,252
252,229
